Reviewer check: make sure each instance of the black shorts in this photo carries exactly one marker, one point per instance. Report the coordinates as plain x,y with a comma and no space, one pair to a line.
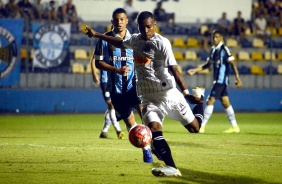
125,103
105,91
218,91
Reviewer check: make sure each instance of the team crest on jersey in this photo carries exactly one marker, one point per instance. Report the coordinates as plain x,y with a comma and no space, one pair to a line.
50,45
8,52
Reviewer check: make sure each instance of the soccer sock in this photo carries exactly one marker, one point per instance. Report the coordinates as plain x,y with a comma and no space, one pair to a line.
128,128
231,115
198,112
114,120
107,122
207,114
162,148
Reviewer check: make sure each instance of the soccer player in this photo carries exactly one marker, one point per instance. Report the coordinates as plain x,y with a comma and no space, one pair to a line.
158,74
121,78
221,59
110,116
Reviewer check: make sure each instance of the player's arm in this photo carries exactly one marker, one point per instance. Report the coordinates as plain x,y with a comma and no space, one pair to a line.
238,81
199,68
105,66
94,71
115,41
182,85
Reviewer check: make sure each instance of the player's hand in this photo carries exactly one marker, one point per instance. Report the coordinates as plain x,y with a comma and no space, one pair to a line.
89,31
193,99
238,83
123,70
96,79
191,71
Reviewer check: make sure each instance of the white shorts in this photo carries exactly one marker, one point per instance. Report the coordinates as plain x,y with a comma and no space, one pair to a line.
171,103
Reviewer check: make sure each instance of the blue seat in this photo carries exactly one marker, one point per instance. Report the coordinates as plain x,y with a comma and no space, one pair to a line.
203,55
244,70
246,44
193,31
270,70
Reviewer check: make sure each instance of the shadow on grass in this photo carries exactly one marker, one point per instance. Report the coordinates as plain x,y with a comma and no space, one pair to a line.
191,176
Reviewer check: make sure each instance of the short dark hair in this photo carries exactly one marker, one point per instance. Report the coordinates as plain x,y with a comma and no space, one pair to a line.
117,11
216,31
144,15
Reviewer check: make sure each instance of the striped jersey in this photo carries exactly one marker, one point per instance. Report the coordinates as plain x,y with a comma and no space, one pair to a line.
116,57
152,58
220,56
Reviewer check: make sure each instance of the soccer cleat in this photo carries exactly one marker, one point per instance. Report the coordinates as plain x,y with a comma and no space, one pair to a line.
234,129
147,156
120,134
157,154
199,92
104,135
166,171
202,129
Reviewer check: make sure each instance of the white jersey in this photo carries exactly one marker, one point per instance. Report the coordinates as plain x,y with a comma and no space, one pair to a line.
152,57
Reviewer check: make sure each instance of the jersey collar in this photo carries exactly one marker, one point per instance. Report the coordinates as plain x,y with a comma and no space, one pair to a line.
219,45
127,34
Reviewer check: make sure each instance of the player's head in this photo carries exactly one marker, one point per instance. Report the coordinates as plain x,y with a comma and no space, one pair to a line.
217,36
146,24
119,20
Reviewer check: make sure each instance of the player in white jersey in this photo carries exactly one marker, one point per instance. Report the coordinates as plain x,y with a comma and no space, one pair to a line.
158,75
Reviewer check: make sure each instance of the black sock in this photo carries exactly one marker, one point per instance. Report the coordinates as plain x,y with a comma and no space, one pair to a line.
162,148
198,112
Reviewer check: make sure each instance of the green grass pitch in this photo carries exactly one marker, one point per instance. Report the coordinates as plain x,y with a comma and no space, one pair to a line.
67,149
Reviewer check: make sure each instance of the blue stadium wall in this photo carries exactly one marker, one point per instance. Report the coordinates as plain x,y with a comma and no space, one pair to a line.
91,101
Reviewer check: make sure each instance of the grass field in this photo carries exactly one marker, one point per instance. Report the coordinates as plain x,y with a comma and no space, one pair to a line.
66,149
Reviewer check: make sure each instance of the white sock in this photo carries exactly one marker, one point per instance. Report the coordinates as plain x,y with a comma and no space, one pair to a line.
207,114
148,147
114,120
231,115
107,122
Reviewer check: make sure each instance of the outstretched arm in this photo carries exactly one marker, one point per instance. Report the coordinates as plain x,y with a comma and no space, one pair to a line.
238,81
182,85
199,68
115,41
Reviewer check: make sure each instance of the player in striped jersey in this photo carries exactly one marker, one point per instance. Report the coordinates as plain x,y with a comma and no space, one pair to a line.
221,59
110,116
122,85
158,75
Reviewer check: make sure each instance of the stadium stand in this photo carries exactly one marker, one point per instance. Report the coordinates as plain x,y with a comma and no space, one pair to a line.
192,42
178,42
257,56
270,56
257,70
244,56
77,68
232,43
178,55
258,43
80,54
191,55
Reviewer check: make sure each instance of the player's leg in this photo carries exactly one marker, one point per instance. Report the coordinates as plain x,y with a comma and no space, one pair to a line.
113,119
230,114
106,125
207,112
124,108
153,118
216,93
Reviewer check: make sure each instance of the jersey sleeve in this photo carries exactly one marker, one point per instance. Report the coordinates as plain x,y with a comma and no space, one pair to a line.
169,58
99,52
229,55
